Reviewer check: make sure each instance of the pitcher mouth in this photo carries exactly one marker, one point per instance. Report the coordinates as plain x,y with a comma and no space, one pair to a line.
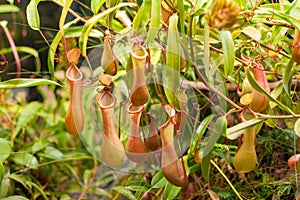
138,52
73,73
134,109
105,101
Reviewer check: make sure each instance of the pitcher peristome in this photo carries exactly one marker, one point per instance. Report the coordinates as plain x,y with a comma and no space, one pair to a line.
113,153
74,119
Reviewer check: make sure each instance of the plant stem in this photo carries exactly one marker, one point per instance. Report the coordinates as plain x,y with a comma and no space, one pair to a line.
225,177
267,47
86,189
13,48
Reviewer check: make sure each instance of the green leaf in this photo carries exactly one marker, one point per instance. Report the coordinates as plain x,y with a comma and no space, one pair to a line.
19,179
171,72
200,131
64,12
257,87
5,150
252,32
181,11
171,191
15,197
205,166
219,129
297,127
137,188
25,159
96,5
32,14
86,176
28,50
228,50
100,192
158,180
92,22
291,20
54,45
52,153
27,114
142,17
2,171
39,145
127,193
4,187
234,132
8,8
287,77
154,21
25,82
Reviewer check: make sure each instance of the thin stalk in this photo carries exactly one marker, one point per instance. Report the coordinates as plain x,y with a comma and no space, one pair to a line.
225,177
267,47
13,48
71,11
86,189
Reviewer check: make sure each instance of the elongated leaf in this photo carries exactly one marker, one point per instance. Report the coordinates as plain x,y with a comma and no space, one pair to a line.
27,114
25,82
39,145
92,22
54,45
154,21
4,185
205,166
28,50
64,12
158,180
171,72
127,193
5,150
181,11
291,20
15,197
96,5
137,188
219,129
8,8
200,131
287,77
38,188
2,171
32,14
171,191
25,159
228,50
257,87
142,16
234,132
19,179
297,127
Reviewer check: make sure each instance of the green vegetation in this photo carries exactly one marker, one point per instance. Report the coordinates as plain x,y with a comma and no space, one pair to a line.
203,97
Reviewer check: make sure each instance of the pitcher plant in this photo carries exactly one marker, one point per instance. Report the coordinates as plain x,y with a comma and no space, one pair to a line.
139,90
113,153
136,150
74,118
172,167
